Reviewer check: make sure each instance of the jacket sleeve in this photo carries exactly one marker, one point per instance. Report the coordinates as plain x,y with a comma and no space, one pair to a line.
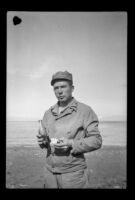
93,139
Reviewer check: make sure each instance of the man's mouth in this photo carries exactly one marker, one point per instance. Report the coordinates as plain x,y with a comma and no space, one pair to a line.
61,97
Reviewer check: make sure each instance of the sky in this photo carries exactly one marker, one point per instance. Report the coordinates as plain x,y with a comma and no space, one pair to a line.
90,45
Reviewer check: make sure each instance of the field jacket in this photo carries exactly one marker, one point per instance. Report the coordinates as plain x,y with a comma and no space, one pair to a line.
78,122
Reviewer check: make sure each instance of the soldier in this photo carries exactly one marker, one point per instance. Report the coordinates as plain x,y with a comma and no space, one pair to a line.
71,129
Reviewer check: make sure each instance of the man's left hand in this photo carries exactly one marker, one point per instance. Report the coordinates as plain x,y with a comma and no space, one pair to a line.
65,143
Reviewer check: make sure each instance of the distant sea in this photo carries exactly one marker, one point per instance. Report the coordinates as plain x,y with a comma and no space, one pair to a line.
24,133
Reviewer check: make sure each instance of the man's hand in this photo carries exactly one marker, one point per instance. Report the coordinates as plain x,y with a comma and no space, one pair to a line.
64,143
41,141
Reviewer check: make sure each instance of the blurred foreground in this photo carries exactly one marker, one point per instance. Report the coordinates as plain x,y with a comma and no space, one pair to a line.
24,167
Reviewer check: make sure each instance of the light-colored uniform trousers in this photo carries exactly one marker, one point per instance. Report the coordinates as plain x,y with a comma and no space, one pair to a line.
77,179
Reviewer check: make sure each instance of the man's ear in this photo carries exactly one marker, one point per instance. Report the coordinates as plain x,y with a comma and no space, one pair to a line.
73,88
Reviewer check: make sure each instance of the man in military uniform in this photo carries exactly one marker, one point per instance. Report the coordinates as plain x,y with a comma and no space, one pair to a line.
71,129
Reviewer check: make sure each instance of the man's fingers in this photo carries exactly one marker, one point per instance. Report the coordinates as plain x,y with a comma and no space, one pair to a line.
40,143
62,148
60,145
40,140
39,136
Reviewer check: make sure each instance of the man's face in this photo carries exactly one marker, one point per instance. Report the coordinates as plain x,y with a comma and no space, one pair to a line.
63,90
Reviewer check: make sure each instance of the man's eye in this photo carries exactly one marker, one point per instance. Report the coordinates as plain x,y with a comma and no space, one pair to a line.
56,88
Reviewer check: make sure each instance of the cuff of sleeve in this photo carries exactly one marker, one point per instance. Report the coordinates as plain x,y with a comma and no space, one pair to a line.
75,146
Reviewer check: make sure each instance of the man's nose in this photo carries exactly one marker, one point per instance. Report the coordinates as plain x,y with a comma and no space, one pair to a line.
60,91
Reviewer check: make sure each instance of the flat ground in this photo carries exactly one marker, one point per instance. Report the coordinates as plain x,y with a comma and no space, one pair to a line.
24,167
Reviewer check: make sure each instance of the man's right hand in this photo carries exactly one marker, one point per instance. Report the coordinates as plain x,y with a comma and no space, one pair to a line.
41,141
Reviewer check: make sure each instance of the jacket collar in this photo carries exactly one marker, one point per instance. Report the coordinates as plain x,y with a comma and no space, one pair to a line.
68,109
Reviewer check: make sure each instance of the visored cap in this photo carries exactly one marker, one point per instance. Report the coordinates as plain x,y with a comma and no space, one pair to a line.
61,76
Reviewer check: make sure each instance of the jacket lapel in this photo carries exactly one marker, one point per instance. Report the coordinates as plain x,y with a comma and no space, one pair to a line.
72,106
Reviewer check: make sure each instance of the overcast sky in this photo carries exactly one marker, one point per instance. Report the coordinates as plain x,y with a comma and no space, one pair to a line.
90,45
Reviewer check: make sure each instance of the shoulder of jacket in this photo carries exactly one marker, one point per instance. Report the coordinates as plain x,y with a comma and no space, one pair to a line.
87,111
84,107
49,109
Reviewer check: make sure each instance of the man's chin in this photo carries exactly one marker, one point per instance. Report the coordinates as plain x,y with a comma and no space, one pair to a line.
62,100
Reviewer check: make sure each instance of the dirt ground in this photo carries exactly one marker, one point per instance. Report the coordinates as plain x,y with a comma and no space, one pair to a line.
24,167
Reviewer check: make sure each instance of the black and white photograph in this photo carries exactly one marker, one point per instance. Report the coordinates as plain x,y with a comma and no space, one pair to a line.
66,100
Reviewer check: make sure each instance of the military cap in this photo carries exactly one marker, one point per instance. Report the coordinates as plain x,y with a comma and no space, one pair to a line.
61,76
